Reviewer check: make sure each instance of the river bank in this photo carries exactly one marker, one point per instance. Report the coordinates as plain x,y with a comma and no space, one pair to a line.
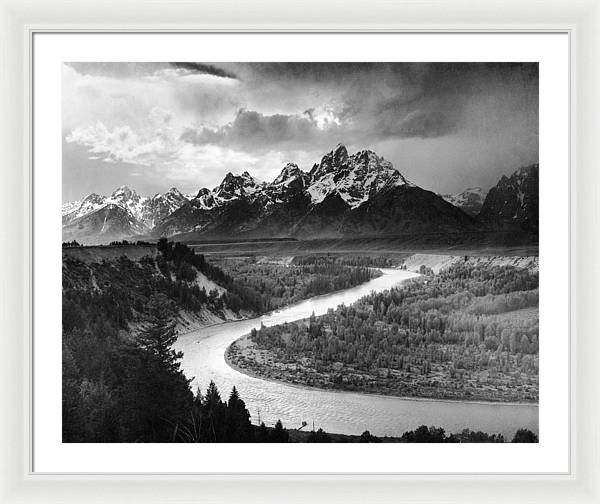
484,355
244,356
348,413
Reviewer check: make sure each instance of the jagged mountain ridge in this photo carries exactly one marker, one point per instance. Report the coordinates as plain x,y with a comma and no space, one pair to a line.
102,225
343,195
97,219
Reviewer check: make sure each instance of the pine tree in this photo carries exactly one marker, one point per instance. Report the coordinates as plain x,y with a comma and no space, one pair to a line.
239,428
214,420
158,339
155,396
212,397
262,435
279,434
234,397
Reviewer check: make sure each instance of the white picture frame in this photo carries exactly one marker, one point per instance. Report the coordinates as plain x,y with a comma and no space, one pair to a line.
18,23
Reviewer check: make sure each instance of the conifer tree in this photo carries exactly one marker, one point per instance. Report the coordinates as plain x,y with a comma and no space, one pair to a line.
155,393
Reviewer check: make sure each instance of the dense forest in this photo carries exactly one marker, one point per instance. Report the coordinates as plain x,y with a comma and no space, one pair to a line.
117,291
125,385
365,261
128,390
274,285
119,389
141,395
469,332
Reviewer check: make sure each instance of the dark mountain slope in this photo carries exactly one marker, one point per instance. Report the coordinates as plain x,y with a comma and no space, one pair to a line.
406,209
514,201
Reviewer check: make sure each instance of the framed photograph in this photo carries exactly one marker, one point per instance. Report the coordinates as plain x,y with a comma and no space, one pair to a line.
328,261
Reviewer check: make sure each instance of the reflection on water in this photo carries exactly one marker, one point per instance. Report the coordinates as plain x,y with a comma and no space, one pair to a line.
341,412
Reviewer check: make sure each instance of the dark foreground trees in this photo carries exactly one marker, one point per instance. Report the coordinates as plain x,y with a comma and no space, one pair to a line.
143,396
525,436
155,395
137,392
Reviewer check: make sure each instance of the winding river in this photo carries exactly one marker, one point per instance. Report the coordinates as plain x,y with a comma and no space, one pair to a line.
341,412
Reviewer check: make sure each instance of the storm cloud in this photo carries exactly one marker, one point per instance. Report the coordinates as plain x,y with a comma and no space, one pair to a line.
252,130
443,125
380,102
139,69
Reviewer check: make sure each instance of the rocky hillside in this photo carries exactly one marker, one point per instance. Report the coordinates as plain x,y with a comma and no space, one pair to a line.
117,283
514,201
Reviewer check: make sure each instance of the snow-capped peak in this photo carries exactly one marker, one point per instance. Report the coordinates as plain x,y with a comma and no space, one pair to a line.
235,186
145,211
124,192
290,171
76,209
340,154
172,197
470,200
467,193
355,178
204,199
332,161
94,198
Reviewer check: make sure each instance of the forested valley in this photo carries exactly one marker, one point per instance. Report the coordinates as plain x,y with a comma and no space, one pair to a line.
121,379
469,332
274,284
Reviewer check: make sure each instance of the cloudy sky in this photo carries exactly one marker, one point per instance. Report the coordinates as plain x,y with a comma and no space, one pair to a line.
152,126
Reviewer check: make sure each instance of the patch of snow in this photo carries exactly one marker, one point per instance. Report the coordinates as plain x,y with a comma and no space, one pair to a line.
322,188
355,178
470,195
143,210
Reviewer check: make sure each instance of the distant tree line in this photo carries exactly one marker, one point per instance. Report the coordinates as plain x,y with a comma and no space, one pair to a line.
424,434
365,261
71,244
126,243
116,243
272,286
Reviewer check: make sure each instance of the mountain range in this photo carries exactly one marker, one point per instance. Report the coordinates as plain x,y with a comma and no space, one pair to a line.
343,195
98,219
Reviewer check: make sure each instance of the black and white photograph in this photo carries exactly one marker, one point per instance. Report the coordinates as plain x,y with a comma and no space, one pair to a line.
300,252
